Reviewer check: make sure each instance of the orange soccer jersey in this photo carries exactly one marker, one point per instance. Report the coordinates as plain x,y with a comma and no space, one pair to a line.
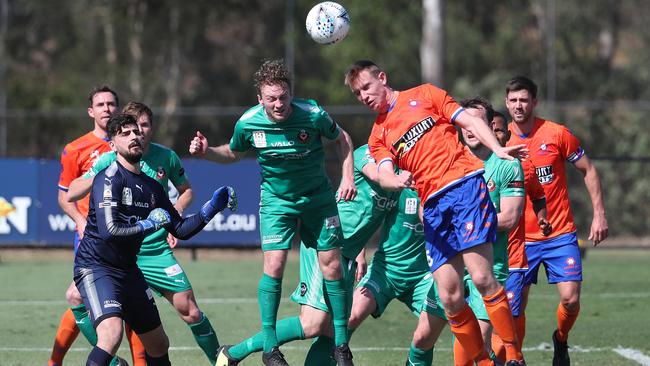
517,236
77,157
550,145
417,135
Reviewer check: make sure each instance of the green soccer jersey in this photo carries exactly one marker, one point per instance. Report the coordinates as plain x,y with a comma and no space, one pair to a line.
161,164
361,217
401,249
290,153
505,178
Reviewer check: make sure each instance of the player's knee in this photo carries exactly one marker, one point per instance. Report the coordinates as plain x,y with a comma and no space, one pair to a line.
571,302
73,296
452,299
330,266
485,283
159,347
313,326
355,320
423,338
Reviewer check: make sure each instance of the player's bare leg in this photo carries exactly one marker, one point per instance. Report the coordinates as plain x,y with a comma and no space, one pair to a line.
185,304
424,338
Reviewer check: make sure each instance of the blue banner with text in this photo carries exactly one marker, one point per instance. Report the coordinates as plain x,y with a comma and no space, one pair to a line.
30,214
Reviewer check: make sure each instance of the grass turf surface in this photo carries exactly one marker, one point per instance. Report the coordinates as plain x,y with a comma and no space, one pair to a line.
613,313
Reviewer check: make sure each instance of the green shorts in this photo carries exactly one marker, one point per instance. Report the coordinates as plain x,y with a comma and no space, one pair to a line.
320,226
385,287
474,298
433,304
163,273
310,289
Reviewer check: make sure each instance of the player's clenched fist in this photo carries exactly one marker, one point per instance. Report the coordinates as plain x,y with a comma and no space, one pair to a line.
199,144
221,198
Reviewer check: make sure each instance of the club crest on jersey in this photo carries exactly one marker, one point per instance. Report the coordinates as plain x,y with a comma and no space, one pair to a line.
469,226
108,194
259,139
127,196
413,103
491,186
544,149
411,206
303,288
160,173
408,140
545,174
303,136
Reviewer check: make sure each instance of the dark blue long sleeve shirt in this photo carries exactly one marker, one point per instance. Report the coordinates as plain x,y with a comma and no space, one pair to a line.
118,199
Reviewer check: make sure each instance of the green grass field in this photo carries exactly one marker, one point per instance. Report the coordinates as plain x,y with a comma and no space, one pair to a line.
613,328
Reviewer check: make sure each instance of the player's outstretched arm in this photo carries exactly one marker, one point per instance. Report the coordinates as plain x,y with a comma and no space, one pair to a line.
478,127
599,228
185,228
347,189
220,154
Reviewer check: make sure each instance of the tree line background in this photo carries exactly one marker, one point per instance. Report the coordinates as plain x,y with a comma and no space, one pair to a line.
193,63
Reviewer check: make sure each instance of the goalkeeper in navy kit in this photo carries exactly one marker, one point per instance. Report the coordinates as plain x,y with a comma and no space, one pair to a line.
125,206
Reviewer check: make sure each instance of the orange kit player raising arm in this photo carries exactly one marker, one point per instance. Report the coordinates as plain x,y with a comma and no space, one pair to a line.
415,131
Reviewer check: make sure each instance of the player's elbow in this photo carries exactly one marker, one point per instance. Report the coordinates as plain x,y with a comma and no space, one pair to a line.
509,220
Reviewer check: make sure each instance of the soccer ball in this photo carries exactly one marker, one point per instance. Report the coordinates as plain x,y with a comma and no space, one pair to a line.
328,22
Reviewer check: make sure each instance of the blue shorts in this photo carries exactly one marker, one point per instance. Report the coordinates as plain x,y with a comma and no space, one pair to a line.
107,293
514,290
457,219
560,256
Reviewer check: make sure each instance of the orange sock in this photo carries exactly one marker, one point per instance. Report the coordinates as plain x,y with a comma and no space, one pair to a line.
565,321
520,325
461,358
137,348
501,318
467,331
498,349
497,344
65,336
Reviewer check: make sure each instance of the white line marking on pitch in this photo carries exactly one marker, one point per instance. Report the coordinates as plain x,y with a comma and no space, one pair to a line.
542,347
634,355
253,300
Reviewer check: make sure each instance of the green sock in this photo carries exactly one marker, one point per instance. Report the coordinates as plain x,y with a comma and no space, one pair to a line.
206,337
320,352
82,316
336,293
269,291
418,357
287,330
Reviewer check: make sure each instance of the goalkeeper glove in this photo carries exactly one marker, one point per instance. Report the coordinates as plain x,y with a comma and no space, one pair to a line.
221,198
157,219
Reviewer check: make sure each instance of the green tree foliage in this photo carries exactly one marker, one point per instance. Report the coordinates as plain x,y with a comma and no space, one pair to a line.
190,59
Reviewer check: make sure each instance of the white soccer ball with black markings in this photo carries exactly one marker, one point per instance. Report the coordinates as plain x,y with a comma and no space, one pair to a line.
328,22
